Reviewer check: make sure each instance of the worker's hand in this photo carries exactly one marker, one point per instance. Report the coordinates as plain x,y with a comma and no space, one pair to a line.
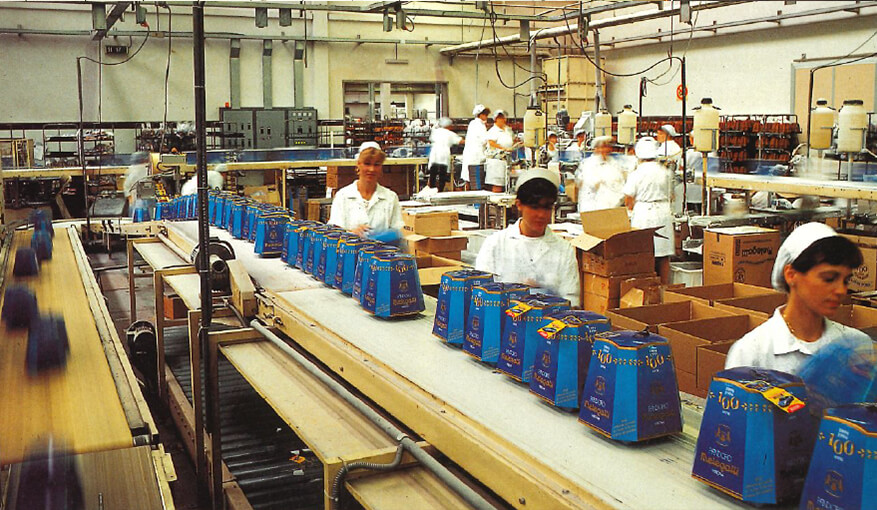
462,141
361,230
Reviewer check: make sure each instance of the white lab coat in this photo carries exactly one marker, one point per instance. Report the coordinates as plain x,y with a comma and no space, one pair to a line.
649,185
600,183
548,262
774,347
495,166
670,152
382,212
473,152
442,139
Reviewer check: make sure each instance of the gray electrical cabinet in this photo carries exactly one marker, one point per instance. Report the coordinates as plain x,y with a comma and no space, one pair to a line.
268,128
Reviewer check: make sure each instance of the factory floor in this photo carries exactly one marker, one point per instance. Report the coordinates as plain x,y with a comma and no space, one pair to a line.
114,284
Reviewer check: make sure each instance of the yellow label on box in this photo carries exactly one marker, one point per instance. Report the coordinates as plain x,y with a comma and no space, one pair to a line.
552,328
777,396
518,309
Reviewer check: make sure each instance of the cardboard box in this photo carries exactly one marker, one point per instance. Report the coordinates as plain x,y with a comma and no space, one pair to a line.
608,234
758,307
739,254
686,336
266,194
315,208
709,294
610,286
420,244
651,316
865,276
624,265
640,297
174,307
430,268
687,383
598,304
453,255
710,359
860,317
429,222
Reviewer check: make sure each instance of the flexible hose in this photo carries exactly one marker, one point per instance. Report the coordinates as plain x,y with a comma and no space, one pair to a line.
426,460
372,466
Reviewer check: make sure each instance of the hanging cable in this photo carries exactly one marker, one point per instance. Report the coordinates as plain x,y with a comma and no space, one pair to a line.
534,75
167,74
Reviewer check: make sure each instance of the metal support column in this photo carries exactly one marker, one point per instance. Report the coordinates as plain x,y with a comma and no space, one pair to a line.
267,83
298,77
234,74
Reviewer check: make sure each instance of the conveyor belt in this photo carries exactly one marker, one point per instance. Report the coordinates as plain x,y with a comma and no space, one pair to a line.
78,405
256,443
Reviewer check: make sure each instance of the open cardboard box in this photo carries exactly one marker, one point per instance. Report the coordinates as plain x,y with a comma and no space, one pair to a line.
614,287
709,294
430,268
710,359
651,316
760,308
865,276
686,336
863,318
609,246
430,221
421,245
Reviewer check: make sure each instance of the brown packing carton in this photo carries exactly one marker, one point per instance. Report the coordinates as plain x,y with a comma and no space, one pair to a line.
265,194
456,242
860,317
760,308
453,255
640,297
174,307
430,223
739,254
686,336
430,268
608,234
687,382
709,294
610,286
864,276
623,265
651,316
711,359
598,304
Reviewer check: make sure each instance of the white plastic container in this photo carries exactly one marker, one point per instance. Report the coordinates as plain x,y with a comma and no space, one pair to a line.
822,120
534,127
603,123
689,273
627,126
706,126
852,121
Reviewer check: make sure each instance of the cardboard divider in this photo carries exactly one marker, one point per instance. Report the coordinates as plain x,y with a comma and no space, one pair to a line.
430,268
651,316
760,308
709,294
710,359
686,336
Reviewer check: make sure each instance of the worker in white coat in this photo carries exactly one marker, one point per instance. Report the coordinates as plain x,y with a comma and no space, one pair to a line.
528,251
813,266
669,152
365,207
581,142
549,153
647,196
500,142
215,180
600,179
473,151
442,139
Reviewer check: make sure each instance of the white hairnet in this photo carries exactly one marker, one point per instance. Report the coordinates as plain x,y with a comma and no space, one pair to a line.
479,108
646,148
499,112
799,240
444,122
601,140
368,145
669,129
551,176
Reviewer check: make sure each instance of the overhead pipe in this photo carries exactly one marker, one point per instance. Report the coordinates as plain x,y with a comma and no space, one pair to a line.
546,33
425,459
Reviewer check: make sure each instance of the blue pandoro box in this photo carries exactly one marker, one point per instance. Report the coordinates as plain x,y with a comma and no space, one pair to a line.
563,353
843,470
366,253
348,252
486,320
756,436
630,393
393,287
517,351
328,256
454,298
269,234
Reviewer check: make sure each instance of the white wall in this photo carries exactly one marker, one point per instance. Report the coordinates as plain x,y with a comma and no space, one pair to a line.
744,73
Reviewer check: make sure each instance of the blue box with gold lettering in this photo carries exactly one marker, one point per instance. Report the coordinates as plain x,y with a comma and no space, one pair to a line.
630,393
393,287
270,229
843,470
452,307
517,351
486,320
756,436
348,253
563,354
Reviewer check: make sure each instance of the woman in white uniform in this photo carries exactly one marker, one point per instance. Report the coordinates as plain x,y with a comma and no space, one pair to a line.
548,153
599,179
442,139
364,207
473,151
500,141
813,266
528,251
647,196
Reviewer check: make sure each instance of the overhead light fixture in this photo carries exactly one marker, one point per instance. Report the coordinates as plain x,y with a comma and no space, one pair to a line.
140,14
685,12
525,30
388,23
285,17
400,19
261,17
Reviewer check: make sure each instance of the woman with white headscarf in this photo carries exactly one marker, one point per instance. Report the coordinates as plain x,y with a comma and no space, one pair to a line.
813,266
500,141
442,139
473,151
647,195
599,179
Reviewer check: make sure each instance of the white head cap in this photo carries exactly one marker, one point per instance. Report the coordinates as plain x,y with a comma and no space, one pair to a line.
580,131
601,140
670,130
479,108
222,167
551,176
445,122
499,112
368,145
799,240
646,148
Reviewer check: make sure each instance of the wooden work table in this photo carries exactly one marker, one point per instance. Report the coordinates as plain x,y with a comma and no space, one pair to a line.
529,453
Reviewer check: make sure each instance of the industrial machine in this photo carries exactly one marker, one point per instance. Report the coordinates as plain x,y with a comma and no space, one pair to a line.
268,128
